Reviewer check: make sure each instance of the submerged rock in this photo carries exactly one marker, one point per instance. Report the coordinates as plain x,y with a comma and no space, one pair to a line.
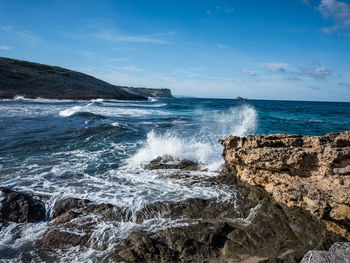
338,253
169,162
20,207
309,172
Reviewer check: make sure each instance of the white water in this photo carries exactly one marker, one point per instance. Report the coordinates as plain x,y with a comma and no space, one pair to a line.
203,147
66,174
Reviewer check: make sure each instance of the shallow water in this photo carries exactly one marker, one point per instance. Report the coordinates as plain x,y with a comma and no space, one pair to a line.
99,150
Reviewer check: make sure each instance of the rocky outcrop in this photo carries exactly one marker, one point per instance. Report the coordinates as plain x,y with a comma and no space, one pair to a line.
33,80
308,172
169,162
146,92
338,253
20,207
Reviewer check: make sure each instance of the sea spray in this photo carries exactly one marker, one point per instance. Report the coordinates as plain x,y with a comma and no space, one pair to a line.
201,147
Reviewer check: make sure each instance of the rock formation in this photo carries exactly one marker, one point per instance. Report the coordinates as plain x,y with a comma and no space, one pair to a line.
309,172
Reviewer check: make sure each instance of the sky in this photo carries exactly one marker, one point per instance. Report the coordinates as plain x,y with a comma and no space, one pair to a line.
259,49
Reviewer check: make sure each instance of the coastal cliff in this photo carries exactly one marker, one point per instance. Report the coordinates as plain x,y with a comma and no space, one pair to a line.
308,172
33,80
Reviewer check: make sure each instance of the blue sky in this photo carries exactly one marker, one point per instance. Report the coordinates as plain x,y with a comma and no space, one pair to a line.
263,49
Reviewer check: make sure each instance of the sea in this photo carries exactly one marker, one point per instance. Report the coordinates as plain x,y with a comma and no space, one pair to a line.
99,150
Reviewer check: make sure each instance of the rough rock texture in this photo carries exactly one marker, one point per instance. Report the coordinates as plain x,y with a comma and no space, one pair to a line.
33,80
310,172
338,253
20,207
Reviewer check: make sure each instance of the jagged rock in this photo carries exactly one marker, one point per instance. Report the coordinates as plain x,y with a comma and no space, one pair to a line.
169,162
20,207
310,172
338,253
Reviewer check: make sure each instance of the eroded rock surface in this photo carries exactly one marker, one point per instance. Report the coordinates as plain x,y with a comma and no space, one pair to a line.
310,172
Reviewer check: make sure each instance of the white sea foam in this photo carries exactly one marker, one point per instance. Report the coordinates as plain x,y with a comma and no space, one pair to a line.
110,111
201,147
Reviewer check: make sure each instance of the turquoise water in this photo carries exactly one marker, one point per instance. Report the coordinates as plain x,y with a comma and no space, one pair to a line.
100,150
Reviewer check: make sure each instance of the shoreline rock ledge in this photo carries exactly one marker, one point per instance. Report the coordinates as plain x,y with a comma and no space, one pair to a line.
308,172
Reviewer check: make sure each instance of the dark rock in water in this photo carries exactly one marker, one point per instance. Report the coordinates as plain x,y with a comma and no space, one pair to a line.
62,239
338,253
146,92
142,247
78,214
254,229
169,162
20,207
33,80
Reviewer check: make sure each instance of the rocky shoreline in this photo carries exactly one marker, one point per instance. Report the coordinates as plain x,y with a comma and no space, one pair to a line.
291,199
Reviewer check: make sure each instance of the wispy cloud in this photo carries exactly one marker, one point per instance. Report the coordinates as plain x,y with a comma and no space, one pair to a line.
225,9
316,73
338,11
157,38
249,72
5,48
132,68
24,34
220,9
273,67
223,46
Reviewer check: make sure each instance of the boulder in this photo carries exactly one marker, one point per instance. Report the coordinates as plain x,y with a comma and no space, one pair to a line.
20,207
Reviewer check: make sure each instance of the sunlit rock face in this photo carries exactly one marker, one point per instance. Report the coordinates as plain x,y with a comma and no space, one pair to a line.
310,172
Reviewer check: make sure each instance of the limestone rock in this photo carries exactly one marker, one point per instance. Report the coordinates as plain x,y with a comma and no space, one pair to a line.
310,172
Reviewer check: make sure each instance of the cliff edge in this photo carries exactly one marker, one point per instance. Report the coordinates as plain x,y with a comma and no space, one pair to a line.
310,172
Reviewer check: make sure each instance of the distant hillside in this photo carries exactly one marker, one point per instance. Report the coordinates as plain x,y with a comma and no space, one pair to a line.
33,80
146,92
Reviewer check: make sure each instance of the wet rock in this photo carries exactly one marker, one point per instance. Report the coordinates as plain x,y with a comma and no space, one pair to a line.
73,207
20,207
62,239
309,172
338,253
169,162
142,247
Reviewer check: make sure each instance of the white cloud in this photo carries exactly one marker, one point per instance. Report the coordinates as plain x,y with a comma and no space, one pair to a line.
157,38
338,11
276,67
249,72
223,46
5,48
24,34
